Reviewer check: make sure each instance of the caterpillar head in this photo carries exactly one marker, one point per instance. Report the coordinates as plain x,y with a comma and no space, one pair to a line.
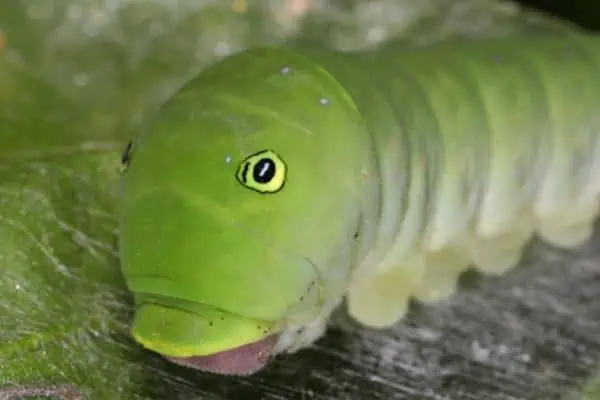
240,205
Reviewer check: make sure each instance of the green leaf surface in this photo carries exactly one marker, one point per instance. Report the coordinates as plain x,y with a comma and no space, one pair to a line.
76,77
61,297
592,388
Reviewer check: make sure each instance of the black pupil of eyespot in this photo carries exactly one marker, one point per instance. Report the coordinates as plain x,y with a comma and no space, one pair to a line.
264,170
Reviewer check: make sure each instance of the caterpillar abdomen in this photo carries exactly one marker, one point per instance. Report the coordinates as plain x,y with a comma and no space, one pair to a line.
502,139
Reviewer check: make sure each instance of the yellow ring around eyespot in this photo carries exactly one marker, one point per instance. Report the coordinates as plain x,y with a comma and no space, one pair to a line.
245,172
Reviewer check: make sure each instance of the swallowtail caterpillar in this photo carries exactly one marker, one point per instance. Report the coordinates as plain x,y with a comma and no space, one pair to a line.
281,182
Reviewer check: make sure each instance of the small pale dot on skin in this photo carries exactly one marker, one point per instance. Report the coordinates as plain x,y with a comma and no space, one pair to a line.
227,159
222,48
285,70
324,101
81,79
156,29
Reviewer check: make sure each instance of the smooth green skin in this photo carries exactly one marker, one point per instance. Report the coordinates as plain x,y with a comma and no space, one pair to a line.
215,265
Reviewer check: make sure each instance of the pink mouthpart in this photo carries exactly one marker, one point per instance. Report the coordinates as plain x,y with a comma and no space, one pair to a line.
243,360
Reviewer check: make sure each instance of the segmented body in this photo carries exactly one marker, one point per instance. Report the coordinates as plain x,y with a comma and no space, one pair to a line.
478,146
292,178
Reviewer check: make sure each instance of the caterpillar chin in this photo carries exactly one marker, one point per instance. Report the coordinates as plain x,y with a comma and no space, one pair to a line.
246,359
252,357
218,342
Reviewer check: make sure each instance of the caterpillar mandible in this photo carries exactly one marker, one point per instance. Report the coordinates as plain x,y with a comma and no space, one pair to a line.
280,182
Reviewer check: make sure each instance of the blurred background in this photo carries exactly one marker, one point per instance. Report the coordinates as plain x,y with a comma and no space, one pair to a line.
583,12
76,79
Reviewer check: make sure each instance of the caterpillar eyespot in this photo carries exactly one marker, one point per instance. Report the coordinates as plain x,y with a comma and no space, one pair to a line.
263,172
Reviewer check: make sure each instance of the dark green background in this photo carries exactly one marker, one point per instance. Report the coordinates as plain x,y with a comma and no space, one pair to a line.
584,12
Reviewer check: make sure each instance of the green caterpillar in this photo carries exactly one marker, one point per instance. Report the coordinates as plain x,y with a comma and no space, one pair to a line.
281,181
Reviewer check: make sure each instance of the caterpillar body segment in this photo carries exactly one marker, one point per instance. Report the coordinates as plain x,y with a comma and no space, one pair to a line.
282,181
541,158
493,155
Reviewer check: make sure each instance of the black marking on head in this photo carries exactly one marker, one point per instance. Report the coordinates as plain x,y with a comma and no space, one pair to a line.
126,156
245,172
